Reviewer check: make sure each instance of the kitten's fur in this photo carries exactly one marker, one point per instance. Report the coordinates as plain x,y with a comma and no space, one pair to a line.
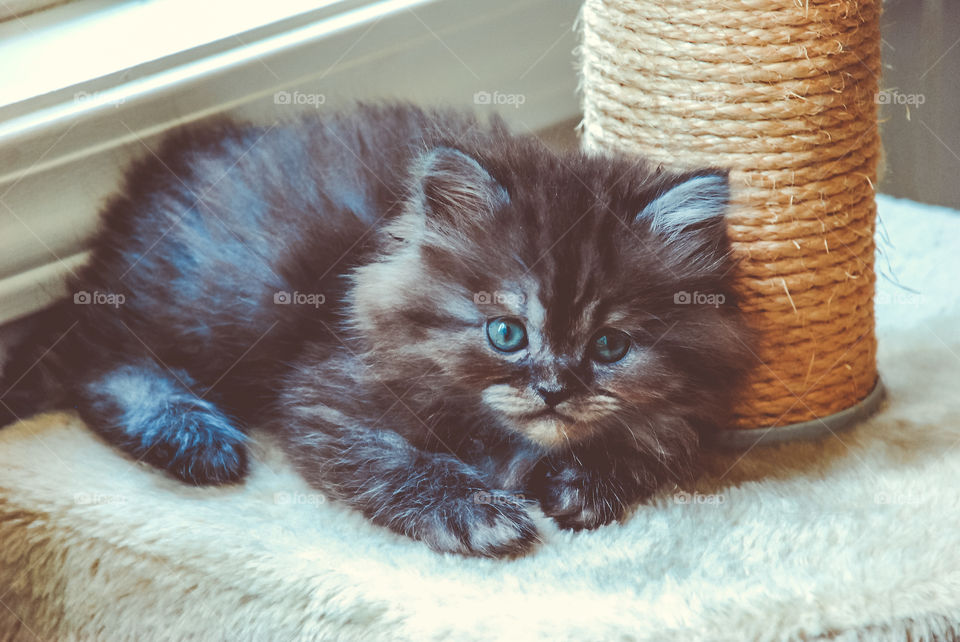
416,228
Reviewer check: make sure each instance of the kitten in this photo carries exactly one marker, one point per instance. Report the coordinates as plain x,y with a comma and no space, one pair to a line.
439,320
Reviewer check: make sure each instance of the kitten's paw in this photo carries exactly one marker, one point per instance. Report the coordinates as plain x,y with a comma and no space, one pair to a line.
156,419
575,499
484,524
203,449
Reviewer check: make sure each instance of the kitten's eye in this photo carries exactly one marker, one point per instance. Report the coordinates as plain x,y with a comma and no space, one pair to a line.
506,334
609,345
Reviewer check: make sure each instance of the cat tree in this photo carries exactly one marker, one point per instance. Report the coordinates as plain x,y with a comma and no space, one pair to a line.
782,93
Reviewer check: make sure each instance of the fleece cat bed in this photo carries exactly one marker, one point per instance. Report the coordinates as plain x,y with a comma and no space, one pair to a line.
853,537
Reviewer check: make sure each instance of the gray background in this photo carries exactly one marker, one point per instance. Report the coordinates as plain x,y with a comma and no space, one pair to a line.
921,55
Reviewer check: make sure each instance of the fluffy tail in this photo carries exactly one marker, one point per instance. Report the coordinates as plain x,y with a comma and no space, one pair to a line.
33,378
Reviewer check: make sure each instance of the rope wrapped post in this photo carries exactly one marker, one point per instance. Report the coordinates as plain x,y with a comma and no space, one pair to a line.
783,94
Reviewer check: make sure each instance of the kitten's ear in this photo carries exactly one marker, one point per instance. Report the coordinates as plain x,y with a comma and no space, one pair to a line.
455,185
690,215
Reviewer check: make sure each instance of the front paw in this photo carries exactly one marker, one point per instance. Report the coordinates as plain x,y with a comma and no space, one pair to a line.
575,498
481,523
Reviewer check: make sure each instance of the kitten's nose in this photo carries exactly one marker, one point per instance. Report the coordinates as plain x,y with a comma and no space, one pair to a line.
553,395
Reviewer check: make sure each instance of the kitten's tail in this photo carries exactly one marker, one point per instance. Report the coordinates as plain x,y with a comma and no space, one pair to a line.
33,377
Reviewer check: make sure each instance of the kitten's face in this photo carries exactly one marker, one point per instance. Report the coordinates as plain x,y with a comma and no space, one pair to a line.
555,306
580,366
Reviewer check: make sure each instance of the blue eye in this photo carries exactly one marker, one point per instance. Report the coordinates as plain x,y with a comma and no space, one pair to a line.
506,334
609,345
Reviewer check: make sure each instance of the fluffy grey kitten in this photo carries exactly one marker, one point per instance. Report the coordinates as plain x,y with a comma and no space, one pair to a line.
442,322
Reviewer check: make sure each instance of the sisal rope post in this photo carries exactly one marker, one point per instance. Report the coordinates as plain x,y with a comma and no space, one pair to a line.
782,93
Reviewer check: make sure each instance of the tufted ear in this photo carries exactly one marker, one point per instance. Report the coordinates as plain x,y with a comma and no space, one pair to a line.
455,185
690,214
